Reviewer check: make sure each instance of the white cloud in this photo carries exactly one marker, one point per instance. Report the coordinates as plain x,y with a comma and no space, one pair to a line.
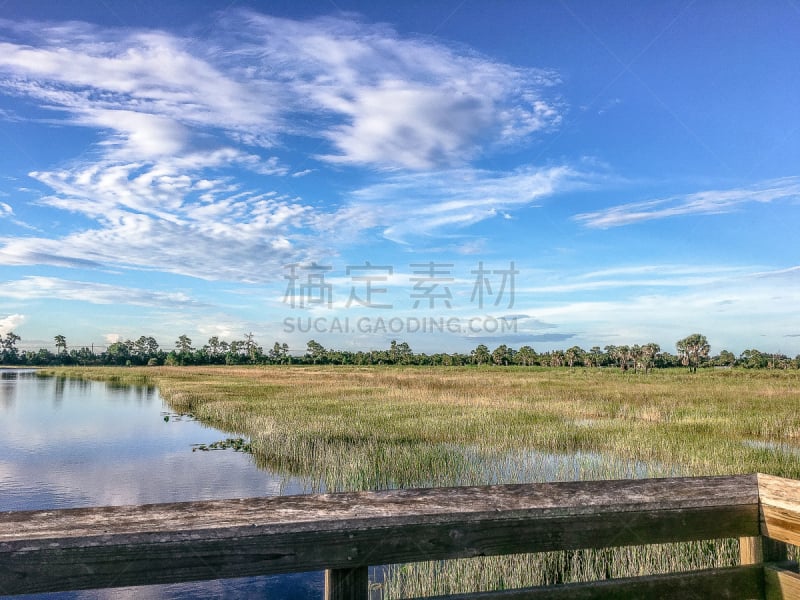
11,322
172,113
91,72
394,101
431,203
51,288
377,97
641,276
167,215
700,203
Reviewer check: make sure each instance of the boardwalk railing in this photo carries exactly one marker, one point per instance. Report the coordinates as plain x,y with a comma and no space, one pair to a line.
59,550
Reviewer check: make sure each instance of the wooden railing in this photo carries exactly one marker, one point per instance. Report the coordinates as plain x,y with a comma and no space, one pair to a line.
59,550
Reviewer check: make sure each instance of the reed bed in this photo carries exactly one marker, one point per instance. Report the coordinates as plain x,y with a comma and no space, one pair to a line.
369,428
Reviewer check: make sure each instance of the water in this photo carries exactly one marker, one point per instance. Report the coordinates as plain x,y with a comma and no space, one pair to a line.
70,443
776,447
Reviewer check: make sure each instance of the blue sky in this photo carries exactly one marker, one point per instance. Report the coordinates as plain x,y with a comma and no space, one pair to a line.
544,173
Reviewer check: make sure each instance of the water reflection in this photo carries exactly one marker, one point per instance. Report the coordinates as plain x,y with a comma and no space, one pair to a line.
70,443
58,392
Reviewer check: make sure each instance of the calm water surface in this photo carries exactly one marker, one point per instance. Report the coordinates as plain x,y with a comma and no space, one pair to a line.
69,443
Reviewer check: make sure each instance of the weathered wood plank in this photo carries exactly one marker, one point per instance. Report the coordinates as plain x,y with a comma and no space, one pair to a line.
434,504
779,491
780,508
105,547
740,583
347,584
781,584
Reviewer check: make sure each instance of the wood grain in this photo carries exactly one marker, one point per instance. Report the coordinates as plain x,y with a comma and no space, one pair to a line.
779,499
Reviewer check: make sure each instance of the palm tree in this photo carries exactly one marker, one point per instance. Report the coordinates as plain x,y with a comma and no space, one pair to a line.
595,354
480,355
692,350
648,354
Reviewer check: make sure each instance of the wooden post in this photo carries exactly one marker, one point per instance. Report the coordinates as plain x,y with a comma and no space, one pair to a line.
347,584
758,549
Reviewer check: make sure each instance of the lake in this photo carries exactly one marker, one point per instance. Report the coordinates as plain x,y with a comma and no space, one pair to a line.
73,443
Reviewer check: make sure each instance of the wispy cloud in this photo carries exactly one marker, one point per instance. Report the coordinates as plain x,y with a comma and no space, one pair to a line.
179,120
378,98
398,101
700,203
643,276
405,206
51,288
167,216
7,212
146,86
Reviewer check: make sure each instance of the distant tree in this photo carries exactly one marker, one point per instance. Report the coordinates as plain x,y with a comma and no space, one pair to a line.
152,346
400,353
184,344
140,348
666,360
8,343
61,344
279,353
405,355
213,345
725,359
557,358
42,357
573,355
616,354
525,356
251,348
480,355
778,361
693,349
647,356
502,355
84,356
117,353
594,355
315,351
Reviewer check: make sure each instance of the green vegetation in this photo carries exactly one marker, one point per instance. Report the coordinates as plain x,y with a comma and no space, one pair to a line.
354,428
693,352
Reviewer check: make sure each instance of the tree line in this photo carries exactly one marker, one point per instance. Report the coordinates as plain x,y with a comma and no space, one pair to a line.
692,352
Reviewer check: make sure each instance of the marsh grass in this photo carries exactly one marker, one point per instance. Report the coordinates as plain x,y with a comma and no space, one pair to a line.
358,428
548,568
